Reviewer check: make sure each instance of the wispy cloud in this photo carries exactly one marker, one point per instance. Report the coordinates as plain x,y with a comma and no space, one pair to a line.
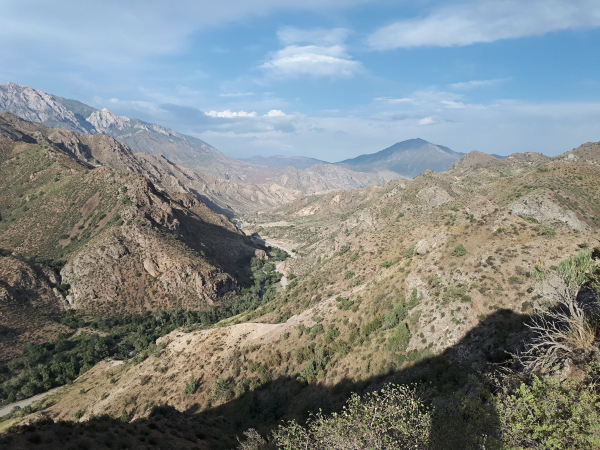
230,114
487,21
237,94
464,85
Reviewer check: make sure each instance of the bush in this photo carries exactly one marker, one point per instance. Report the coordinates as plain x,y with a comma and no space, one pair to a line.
372,326
348,274
550,414
459,250
408,252
222,388
397,315
332,333
344,303
317,329
392,418
400,338
191,387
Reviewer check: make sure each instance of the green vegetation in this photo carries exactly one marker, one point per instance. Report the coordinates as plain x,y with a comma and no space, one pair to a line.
459,250
191,386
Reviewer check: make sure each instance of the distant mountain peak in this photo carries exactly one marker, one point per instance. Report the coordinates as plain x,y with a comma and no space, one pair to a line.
408,158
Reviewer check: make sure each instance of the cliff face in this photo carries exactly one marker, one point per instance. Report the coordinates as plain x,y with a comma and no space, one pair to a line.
126,244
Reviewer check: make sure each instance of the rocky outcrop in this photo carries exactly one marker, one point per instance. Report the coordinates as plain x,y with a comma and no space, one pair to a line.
29,303
479,208
434,196
547,212
37,106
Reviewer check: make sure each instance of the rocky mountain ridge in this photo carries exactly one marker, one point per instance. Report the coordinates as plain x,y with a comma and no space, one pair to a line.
143,137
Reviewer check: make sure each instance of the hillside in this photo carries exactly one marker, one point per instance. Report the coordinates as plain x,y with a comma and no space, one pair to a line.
407,158
427,280
99,240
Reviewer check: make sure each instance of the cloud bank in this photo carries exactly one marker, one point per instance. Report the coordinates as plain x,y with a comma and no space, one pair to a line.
486,21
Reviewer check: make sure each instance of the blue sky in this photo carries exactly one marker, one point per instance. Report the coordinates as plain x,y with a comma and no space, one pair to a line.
330,79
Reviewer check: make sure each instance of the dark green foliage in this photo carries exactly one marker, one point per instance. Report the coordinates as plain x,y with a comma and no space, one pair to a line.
348,274
397,315
399,339
547,232
344,303
317,329
332,333
531,219
372,326
459,250
388,264
223,388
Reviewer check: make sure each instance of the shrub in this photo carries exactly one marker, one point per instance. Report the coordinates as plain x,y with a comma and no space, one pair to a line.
340,347
391,418
409,251
453,293
550,414
397,315
79,414
459,250
400,338
372,326
547,232
191,386
317,329
348,274
222,387
331,334
344,303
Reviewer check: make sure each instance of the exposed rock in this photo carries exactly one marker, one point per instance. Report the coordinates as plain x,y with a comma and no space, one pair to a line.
434,196
261,254
430,243
479,208
546,212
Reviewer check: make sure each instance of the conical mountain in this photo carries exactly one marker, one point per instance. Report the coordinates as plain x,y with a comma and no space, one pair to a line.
408,158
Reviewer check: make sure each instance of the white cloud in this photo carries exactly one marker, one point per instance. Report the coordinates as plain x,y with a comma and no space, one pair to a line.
237,94
230,114
452,104
312,60
487,21
275,113
477,83
428,121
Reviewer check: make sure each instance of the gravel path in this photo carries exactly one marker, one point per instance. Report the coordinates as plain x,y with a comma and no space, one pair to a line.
28,401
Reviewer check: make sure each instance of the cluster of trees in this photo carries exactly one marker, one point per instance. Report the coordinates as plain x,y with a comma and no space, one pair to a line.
122,336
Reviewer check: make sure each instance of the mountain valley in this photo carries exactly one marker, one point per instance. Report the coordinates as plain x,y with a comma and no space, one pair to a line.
429,282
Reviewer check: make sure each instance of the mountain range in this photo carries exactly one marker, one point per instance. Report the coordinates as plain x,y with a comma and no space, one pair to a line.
404,159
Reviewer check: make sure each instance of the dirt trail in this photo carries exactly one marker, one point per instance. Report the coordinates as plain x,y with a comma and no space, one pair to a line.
28,401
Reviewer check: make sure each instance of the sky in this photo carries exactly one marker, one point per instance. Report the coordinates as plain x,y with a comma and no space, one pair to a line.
329,79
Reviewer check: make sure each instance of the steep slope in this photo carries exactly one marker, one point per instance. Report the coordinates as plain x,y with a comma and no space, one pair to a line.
408,158
283,162
223,196
126,245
